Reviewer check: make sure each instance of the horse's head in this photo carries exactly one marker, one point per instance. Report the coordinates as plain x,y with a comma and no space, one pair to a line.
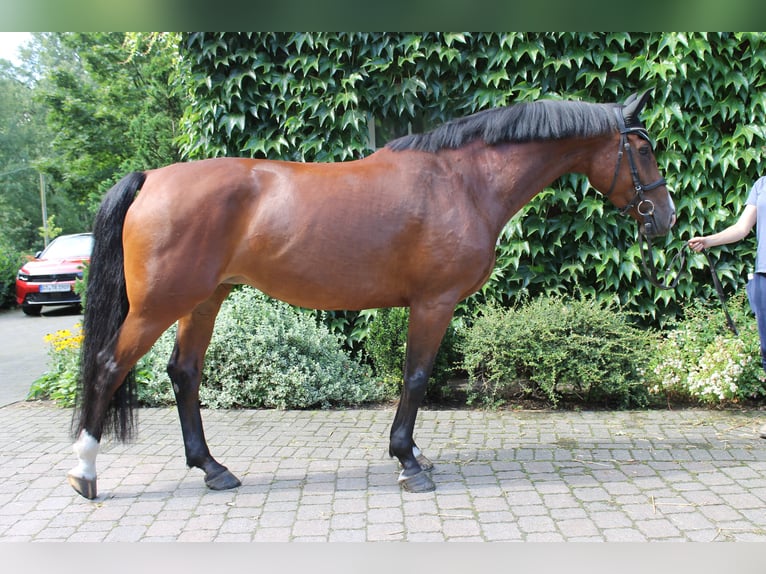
637,188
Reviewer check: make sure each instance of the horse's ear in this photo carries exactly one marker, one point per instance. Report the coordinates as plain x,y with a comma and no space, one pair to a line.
633,106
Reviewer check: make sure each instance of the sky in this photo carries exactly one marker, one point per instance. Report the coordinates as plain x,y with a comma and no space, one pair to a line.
10,42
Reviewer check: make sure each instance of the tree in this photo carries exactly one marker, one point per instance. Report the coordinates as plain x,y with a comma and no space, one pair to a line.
112,105
23,141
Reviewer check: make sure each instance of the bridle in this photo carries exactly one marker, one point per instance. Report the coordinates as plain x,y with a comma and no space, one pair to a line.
645,208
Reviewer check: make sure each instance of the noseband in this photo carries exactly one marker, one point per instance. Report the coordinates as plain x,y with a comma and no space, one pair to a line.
644,207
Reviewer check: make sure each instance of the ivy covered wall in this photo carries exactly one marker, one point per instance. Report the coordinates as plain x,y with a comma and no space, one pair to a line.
315,96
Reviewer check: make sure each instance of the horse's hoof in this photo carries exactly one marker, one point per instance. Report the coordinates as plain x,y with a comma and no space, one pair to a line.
420,482
424,462
224,480
84,487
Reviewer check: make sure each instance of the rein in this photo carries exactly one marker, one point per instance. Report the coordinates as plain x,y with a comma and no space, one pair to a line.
645,208
647,262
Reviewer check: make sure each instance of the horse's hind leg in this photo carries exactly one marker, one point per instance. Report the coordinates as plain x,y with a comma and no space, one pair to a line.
428,324
134,339
185,370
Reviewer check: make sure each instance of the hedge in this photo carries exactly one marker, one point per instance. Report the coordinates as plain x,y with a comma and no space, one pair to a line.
309,96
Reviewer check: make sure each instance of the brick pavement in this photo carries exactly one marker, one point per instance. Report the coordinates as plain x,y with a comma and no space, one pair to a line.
325,476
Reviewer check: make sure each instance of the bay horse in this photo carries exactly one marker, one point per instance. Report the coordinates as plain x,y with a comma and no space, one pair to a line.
414,224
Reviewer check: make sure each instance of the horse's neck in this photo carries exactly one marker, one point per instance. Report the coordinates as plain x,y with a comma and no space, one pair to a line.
513,174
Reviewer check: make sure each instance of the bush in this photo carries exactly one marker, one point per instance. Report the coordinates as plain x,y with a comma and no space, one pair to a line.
386,347
263,354
10,262
554,348
266,354
579,350
81,284
699,360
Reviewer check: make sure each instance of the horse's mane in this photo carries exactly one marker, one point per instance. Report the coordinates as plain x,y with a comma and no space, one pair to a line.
528,121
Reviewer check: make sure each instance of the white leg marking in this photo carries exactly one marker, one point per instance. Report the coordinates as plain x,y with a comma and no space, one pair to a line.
86,449
416,453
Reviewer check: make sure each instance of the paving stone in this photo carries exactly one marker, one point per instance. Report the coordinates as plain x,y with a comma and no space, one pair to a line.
324,476
505,531
310,528
578,527
425,537
277,518
386,532
539,523
126,534
623,535
393,514
279,534
565,514
350,521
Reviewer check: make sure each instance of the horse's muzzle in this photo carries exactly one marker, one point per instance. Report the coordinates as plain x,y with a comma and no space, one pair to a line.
656,222
657,226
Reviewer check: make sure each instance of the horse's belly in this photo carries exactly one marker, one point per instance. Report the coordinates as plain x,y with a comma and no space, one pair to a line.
342,279
331,288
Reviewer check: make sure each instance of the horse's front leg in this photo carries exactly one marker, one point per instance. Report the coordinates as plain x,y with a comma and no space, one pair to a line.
185,371
428,323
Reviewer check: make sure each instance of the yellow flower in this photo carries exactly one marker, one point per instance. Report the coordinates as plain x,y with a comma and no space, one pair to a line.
64,339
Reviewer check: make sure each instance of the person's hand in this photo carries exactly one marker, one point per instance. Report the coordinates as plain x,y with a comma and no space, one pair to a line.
698,243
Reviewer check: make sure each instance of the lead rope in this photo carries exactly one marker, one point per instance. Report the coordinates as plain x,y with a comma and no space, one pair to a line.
647,262
721,296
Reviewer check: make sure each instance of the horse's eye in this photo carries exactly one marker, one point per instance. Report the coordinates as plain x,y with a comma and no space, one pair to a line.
645,150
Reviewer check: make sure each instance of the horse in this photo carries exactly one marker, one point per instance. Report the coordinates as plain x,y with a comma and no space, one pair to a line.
413,224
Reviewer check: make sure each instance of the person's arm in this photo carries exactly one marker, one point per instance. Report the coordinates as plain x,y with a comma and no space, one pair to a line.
731,234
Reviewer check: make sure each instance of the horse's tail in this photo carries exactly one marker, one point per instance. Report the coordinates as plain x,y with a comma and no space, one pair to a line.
106,306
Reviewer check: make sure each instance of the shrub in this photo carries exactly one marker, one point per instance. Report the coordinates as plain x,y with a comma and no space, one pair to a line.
699,360
81,285
10,262
386,347
553,348
265,353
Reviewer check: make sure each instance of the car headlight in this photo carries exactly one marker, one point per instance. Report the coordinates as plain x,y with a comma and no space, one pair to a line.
22,276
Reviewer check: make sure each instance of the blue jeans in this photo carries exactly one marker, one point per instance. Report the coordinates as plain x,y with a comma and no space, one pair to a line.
756,295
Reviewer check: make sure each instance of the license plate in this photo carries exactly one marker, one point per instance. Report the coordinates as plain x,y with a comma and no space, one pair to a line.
55,288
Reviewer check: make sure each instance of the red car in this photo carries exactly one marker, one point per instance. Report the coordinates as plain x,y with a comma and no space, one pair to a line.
49,278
